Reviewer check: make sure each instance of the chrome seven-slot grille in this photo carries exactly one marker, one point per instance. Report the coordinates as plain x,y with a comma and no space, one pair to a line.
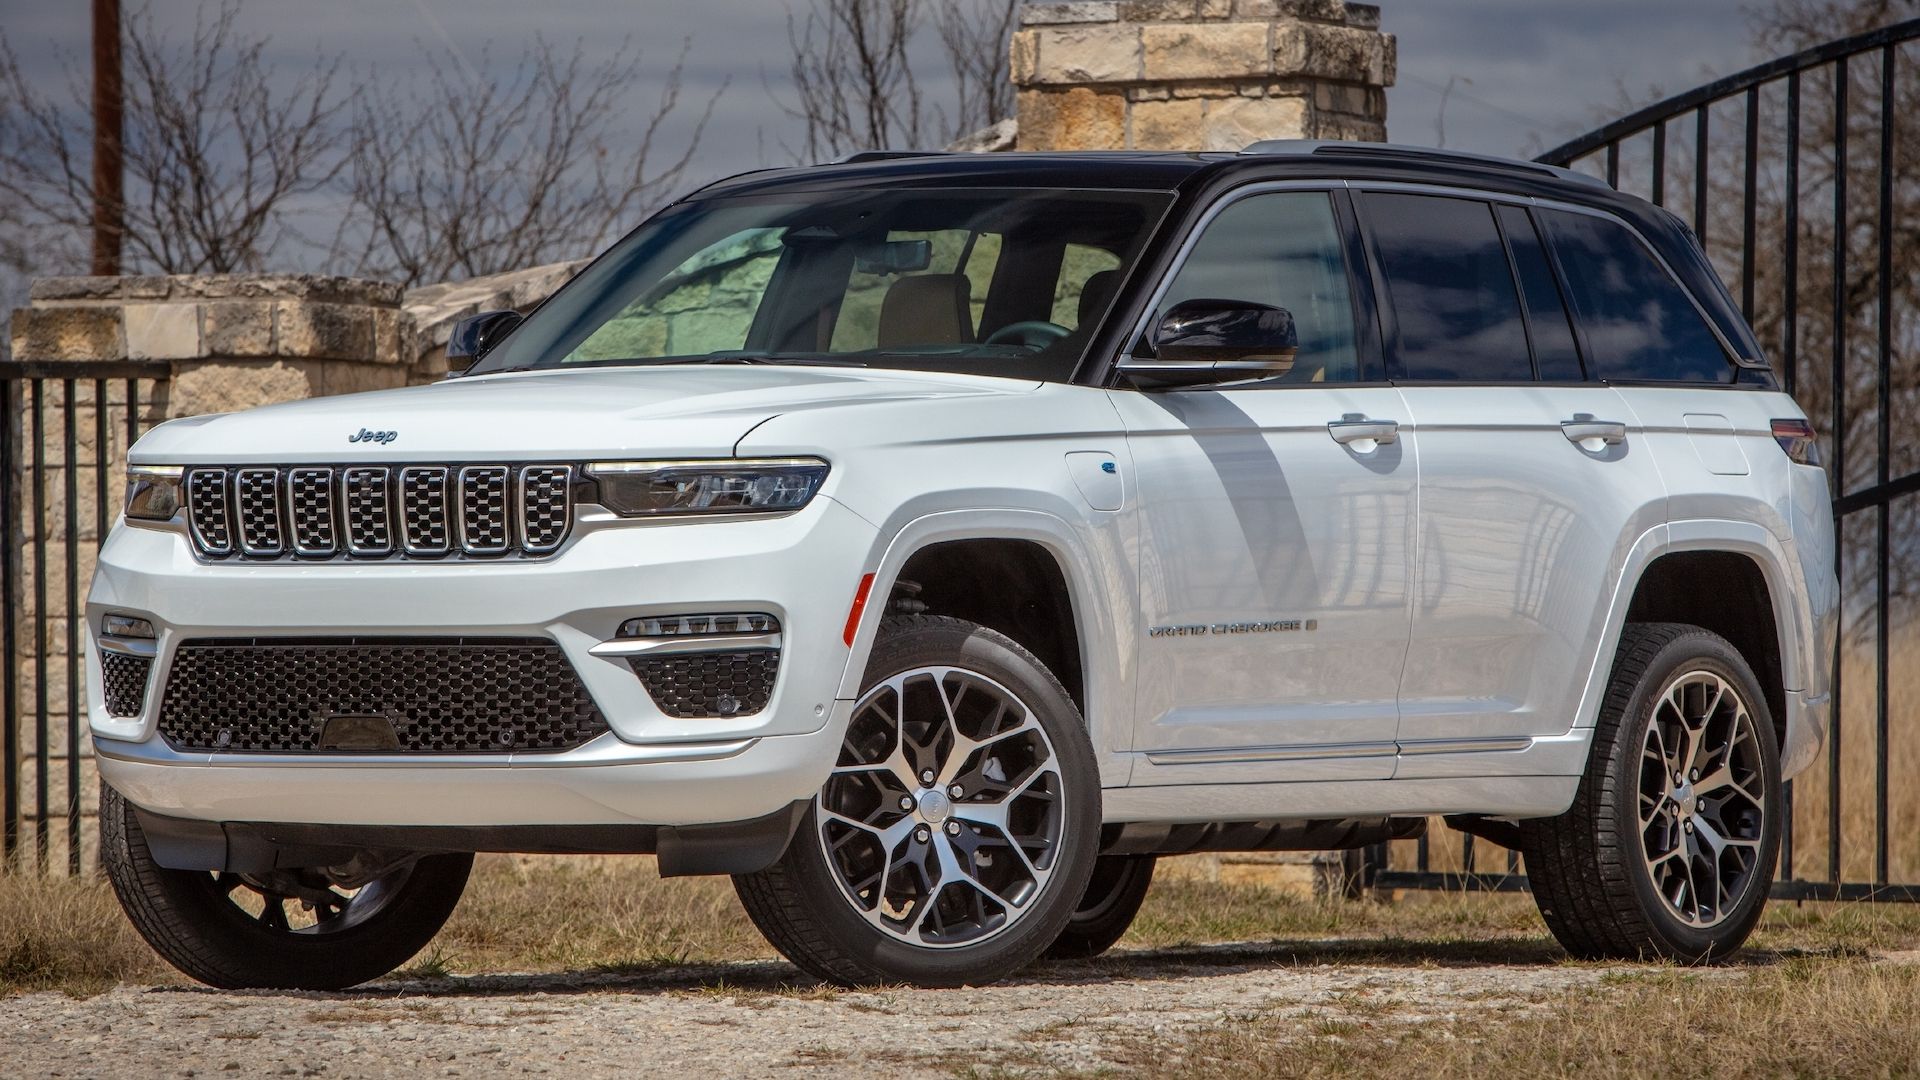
379,511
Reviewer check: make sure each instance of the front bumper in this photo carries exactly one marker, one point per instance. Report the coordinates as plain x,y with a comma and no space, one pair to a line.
651,768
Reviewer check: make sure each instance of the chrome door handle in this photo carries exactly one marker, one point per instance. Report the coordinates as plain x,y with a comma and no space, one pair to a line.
1353,427
1583,427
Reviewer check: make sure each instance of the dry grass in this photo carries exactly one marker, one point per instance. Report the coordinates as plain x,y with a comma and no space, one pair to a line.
553,914
1800,1017
1806,1003
68,934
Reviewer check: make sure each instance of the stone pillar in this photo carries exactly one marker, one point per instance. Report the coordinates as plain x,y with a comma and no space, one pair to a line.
1199,74
231,341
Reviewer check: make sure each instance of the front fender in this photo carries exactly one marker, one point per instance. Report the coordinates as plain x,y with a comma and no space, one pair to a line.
1089,561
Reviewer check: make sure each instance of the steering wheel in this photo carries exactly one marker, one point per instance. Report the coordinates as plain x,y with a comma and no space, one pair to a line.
1035,334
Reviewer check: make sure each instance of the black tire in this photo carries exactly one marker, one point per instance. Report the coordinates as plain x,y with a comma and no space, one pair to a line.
804,910
1113,898
189,919
1588,867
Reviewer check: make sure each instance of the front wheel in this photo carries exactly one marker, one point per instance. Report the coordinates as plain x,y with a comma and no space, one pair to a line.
956,832
1668,850
302,929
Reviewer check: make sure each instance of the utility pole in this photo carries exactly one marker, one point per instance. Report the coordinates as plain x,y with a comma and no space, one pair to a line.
109,198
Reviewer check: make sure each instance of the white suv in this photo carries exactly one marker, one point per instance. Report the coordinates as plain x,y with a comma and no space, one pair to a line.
931,541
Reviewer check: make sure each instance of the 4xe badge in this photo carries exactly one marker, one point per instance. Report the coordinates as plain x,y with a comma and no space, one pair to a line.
381,437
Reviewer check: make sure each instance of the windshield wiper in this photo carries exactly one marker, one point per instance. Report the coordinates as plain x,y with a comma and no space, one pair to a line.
763,358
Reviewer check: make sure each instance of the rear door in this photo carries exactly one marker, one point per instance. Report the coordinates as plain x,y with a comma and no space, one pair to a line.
1646,337
1533,479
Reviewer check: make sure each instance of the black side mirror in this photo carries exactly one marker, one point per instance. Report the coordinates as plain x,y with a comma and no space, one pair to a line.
1206,341
475,334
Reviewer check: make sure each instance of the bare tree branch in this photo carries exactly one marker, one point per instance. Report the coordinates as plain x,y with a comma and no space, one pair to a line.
220,145
474,174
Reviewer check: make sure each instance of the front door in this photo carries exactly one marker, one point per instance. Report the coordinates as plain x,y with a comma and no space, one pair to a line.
1275,525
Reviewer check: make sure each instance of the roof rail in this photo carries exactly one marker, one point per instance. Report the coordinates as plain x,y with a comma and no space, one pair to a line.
881,155
1376,149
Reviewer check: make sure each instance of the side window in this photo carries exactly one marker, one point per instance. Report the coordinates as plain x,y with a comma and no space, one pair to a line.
1640,325
1554,353
1282,249
1451,287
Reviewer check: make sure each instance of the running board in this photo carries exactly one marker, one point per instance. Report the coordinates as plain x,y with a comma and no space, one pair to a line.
1332,834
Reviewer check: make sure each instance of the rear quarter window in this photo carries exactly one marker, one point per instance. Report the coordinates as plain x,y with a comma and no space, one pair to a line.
1639,324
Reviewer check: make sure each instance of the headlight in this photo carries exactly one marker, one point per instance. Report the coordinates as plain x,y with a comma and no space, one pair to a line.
652,488
153,492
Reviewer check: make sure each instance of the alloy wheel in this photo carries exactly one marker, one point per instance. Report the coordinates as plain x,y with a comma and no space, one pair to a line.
1702,792
942,818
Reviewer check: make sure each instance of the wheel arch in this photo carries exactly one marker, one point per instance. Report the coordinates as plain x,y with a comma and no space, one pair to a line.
1037,549
1686,571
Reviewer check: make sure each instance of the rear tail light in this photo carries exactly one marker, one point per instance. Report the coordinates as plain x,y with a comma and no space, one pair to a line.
1797,439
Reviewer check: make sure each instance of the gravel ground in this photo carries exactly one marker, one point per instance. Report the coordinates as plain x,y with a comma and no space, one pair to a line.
751,1019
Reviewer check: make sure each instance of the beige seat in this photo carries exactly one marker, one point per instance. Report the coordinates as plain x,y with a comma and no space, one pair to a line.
926,309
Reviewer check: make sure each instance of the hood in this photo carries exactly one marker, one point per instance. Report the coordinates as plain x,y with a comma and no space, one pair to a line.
677,411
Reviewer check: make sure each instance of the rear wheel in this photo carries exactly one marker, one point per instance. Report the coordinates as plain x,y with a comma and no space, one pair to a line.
300,929
1113,897
957,830
1669,848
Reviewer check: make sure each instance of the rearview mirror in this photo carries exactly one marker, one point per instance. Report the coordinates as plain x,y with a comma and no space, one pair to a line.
895,257
1206,340
474,335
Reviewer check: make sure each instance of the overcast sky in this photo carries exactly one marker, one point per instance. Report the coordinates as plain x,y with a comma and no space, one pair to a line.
1528,73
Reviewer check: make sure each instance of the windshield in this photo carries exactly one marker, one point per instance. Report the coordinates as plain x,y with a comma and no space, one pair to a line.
981,281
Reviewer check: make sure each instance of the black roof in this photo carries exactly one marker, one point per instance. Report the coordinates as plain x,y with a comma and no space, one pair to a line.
1172,170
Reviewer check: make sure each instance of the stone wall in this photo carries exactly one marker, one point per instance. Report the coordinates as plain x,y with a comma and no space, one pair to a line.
1199,74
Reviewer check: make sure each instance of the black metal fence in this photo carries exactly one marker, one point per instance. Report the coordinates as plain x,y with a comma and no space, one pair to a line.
66,430
1802,179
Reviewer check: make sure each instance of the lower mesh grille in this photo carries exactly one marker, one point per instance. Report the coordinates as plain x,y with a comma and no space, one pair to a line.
440,696
709,684
125,679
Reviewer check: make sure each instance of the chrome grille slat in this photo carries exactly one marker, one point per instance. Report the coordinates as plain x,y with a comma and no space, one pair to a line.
483,509
369,518
423,510
546,507
379,511
256,502
207,511
311,509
